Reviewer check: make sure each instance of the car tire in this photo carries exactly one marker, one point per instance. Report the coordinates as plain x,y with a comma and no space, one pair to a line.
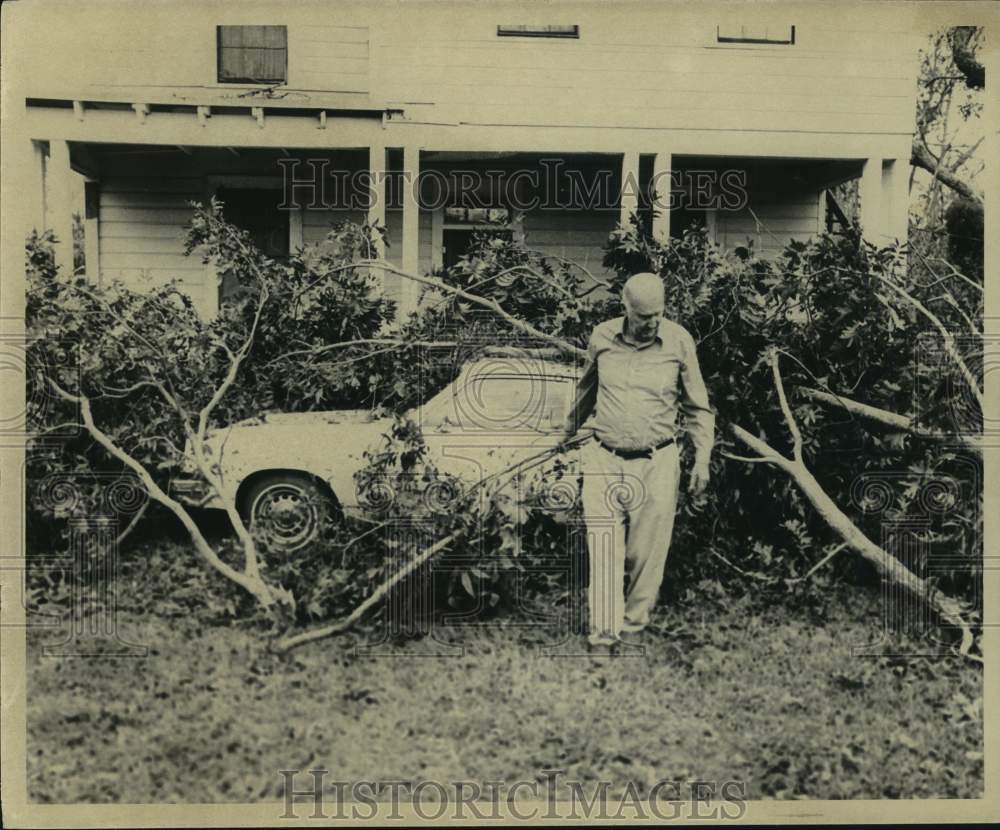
286,511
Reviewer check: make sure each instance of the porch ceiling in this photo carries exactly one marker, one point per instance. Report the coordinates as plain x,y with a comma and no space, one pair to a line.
98,160
812,172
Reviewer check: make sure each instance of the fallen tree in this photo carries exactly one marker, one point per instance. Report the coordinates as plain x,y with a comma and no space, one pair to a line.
147,379
891,569
335,352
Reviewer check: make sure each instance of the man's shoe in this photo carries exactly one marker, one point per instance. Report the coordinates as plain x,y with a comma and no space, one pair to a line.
603,649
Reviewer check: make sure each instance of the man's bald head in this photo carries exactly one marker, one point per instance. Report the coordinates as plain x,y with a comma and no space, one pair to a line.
643,293
644,301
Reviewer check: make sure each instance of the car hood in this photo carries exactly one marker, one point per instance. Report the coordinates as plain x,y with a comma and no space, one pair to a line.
305,419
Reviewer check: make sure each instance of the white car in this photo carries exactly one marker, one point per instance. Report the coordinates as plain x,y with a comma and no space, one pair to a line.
287,471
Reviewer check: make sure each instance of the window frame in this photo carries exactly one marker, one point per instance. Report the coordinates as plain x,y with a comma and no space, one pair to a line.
245,80
752,41
540,31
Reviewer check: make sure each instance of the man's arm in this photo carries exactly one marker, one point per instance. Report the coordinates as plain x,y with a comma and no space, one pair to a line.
586,394
699,419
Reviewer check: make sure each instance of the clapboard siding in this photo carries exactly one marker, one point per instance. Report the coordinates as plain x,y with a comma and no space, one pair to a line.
153,45
573,235
659,65
777,222
656,68
328,58
142,233
316,224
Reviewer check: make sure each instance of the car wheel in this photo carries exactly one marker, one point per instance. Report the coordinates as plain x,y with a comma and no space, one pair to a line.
286,511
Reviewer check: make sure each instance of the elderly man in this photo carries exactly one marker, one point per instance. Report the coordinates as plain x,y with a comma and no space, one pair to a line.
641,370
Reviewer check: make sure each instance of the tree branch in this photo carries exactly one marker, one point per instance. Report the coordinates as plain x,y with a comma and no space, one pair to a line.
947,337
291,642
492,305
921,157
366,341
973,72
949,609
253,584
786,410
889,419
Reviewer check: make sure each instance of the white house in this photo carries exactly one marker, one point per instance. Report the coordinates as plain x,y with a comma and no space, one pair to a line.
540,112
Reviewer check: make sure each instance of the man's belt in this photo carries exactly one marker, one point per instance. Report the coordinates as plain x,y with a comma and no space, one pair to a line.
628,455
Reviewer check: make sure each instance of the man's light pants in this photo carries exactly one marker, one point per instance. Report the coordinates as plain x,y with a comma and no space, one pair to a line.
644,490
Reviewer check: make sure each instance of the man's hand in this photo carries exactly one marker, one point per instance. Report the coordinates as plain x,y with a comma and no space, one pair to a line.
563,444
700,475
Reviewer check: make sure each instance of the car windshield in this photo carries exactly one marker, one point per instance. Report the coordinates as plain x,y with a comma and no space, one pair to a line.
498,401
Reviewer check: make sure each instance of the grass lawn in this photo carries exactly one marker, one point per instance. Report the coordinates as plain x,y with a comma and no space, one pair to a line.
746,689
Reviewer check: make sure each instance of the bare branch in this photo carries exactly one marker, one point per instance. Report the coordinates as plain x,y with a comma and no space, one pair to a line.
475,299
252,584
954,271
887,565
921,157
820,564
288,643
882,416
786,410
744,458
132,524
366,341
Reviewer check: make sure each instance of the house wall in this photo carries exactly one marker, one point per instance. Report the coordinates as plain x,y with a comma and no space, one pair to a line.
654,80
152,44
142,235
658,66
579,236
777,222
141,243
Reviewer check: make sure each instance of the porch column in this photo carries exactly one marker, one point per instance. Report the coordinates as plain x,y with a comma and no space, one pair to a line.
92,230
661,185
59,203
35,216
296,230
411,227
630,187
376,200
870,197
895,199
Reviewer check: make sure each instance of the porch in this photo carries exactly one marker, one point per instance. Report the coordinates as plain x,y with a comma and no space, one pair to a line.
141,168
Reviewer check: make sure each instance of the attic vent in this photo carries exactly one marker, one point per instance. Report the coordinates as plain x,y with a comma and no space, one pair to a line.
755,33
538,31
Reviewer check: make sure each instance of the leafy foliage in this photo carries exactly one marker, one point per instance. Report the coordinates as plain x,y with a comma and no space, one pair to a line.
829,306
316,327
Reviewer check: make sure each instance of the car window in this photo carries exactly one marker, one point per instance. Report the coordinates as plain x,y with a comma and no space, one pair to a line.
494,402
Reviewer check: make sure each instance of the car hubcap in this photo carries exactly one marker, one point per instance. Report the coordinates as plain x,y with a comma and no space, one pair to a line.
285,517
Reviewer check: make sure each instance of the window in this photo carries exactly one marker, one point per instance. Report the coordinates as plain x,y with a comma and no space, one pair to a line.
538,31
252,54
755,33
462,225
